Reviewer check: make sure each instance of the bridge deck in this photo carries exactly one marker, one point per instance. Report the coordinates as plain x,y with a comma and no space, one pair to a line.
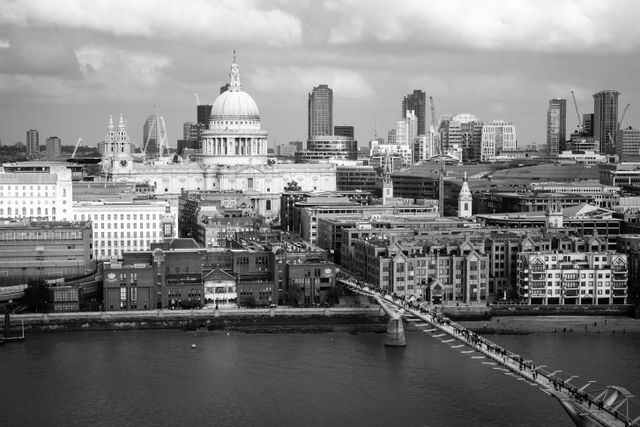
575,401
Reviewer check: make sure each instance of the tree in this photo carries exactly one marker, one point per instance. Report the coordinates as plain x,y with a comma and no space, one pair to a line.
334,294
292,186
36,296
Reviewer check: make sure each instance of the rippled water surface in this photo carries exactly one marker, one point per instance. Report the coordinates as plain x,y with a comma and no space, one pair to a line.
156,378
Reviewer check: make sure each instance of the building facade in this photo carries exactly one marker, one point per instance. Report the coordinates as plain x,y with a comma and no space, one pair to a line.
572,278
628,142
33,143
31,249
39,190
54,148
416,102
556,126
497,136
320,111
120,227
605,119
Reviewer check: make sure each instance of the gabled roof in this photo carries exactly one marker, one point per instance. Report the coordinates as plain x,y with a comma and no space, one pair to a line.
218,274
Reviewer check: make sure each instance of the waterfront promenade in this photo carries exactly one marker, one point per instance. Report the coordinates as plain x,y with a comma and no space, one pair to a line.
586,404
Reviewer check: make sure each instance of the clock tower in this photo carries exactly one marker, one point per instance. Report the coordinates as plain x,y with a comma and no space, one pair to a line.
116,148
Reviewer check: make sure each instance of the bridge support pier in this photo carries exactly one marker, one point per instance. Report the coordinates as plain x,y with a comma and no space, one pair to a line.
395,333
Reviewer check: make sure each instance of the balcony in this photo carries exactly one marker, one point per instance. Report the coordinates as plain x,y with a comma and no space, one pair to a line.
571,285
619,293
619,284
570,293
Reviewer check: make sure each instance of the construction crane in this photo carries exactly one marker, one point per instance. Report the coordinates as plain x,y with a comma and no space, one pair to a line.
622,118
575,104
76,148
438,141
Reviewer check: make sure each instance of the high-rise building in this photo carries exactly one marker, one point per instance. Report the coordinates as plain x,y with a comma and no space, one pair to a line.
154,137
321,111
628,142
204,112
406,132
190,131
497,136
33,143
417,102
556,126
605,119
343,131
587,124
54,147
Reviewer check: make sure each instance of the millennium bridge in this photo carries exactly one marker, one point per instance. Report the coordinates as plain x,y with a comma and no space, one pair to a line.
587,403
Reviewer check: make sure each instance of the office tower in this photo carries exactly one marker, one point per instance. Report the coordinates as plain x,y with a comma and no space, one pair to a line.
344,131
628,142
154,137
204,112
321,111
190,131
54,147
587,124
405,134
33,143
416,101
605,119
497,136
556,126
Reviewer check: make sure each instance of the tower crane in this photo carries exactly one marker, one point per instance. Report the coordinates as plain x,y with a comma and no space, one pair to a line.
622,118
441,160
575,104
76,148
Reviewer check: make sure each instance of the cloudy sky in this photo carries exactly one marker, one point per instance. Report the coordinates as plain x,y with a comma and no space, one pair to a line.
66,65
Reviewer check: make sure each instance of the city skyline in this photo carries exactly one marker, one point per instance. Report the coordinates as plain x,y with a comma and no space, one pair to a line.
64,72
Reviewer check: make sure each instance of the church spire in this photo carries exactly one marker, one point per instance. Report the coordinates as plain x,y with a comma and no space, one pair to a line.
234,84
121,123
111,127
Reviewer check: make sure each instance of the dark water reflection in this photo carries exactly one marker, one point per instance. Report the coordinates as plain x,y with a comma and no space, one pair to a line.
156,378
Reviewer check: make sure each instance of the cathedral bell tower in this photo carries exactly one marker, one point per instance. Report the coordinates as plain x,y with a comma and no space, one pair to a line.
116,151
465,201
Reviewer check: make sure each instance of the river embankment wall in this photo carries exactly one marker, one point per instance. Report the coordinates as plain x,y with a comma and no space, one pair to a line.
480,312
371,319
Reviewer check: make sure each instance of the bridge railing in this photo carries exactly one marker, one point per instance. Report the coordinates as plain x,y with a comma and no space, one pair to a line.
614,400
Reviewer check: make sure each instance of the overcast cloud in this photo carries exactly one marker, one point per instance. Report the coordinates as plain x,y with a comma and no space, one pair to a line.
66,65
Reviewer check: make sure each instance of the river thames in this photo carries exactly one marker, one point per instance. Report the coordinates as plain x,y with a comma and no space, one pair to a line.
129,378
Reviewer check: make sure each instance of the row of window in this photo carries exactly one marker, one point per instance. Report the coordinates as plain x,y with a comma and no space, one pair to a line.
100,234
37,212
95,217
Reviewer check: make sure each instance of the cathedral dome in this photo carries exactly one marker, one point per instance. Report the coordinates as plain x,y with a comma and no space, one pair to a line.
234,105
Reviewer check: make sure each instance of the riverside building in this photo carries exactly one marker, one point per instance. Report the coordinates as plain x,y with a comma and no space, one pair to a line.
572,278
125,226
36,190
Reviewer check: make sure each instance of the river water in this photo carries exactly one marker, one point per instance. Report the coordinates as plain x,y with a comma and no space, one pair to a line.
132,378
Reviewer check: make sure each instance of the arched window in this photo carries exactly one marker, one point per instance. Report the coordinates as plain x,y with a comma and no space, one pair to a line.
39,211
24,211
31,211
53,211
9,211
268,205
466,206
